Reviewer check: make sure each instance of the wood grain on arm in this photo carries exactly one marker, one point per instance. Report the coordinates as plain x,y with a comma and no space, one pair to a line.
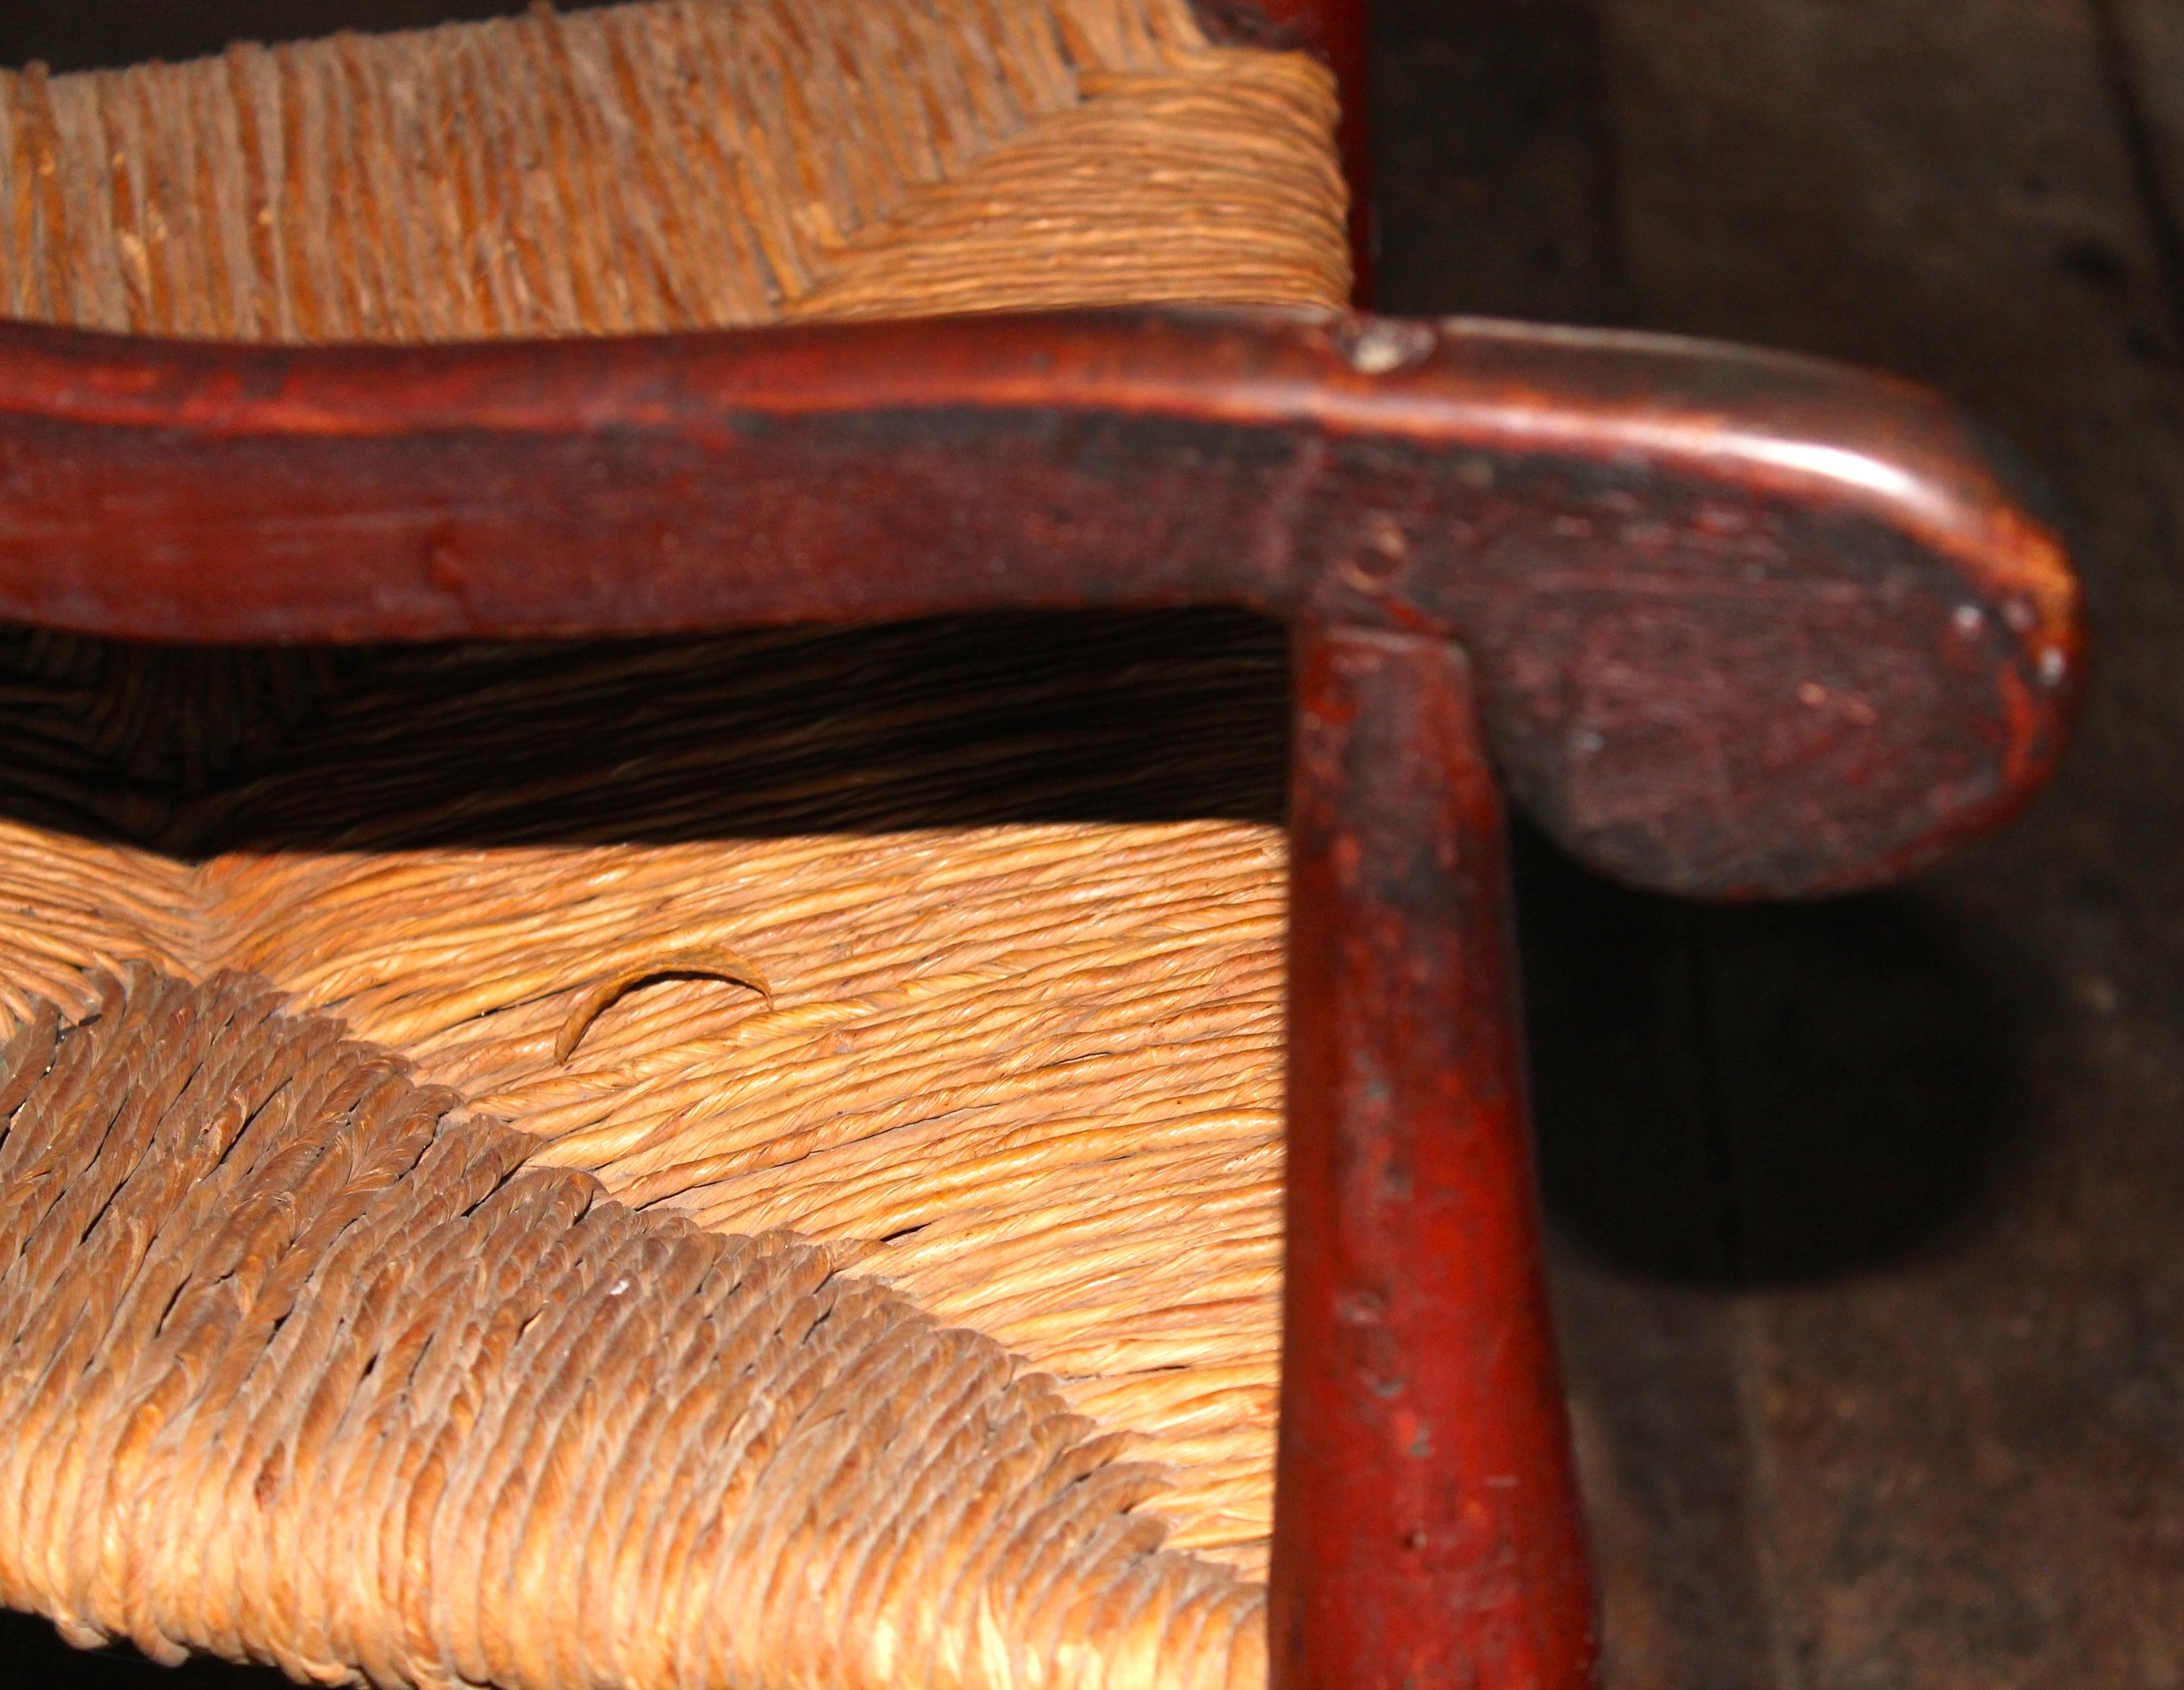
1742,624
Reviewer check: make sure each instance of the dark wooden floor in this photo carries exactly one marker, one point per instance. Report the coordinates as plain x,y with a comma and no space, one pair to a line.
1869,1214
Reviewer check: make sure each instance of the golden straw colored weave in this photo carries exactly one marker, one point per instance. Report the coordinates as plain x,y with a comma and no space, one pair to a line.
724,1163
682,164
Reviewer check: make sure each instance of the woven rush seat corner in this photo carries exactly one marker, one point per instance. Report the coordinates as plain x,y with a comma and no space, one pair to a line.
736,1161
684,164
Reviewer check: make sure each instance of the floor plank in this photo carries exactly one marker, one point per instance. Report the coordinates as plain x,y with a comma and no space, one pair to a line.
1971,1442
2142,42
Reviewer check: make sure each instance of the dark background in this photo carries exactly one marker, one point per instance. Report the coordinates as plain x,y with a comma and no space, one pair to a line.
1869,1214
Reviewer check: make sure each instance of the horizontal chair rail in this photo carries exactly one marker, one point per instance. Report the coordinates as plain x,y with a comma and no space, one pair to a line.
1742,624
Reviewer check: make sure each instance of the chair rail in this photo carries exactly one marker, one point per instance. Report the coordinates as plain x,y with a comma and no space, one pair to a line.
1744,624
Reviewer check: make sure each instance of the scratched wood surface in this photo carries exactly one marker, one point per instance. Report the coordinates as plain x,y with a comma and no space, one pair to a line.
1866,1268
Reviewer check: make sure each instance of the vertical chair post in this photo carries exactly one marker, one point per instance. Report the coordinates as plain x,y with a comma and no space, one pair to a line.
1426,1524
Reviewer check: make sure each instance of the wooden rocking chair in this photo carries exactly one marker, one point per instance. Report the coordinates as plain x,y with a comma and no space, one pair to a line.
627,1065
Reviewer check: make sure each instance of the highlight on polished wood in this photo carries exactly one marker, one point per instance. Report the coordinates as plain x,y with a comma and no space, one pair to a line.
1745,624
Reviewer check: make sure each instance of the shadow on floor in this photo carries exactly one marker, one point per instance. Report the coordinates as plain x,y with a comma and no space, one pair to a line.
1760,1095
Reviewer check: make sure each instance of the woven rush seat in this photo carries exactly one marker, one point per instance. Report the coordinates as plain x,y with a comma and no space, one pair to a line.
693,1162
689,164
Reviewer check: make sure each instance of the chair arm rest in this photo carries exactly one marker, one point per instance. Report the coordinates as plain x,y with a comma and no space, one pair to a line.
1743,623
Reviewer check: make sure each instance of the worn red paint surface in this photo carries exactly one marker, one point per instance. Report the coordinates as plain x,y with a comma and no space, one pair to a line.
1426,1521
1744,624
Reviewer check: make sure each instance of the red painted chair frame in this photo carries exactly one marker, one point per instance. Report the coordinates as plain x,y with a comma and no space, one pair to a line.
1729,623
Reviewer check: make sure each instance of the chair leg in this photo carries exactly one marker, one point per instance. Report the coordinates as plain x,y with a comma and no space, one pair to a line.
1426,1523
